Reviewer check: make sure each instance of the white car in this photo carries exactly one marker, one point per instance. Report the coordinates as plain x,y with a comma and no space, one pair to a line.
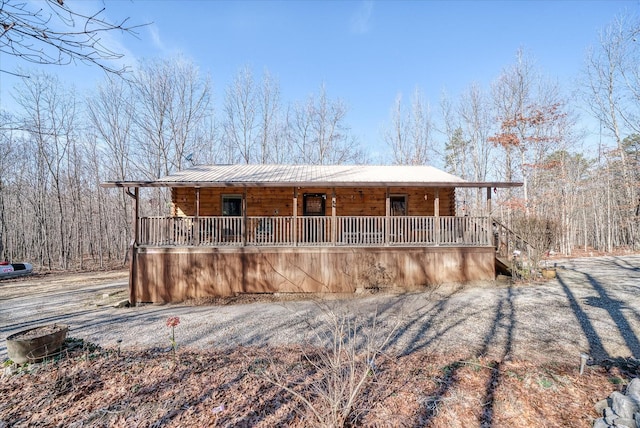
12,270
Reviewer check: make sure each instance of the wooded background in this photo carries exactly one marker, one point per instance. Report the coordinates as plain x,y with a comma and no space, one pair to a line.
58,147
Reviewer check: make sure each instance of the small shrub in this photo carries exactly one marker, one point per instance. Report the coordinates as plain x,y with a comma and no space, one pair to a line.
342,370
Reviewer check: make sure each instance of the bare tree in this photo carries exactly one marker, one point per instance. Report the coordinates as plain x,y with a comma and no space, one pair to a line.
52,32
612,80
111,114
410,134
106,215
241,118
530,111
318,132
7,158
16,223
207,141
611,89
50,120
172,113
476,120
271,128
631,147
189,113
396,135
172,104
511,94
467,125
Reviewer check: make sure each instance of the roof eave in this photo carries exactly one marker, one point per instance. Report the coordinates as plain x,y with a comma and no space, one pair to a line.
127,184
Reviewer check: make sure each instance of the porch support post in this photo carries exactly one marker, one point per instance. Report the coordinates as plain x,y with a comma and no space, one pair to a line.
334,222
136,216
244,217
436,214
295,216
387,213
488,201
134,245
197,222
135,195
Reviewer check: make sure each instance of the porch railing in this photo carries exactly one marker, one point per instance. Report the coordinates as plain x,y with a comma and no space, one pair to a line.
315,231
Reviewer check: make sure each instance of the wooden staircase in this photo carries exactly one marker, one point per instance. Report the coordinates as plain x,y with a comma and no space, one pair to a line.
510,248
503,266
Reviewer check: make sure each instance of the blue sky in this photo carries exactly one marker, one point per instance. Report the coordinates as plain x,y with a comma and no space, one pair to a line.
364,52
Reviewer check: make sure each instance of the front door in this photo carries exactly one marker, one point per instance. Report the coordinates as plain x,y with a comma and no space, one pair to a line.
313,206
398,208
398,205
231,228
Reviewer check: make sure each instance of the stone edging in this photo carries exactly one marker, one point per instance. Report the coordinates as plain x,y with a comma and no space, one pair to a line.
620,410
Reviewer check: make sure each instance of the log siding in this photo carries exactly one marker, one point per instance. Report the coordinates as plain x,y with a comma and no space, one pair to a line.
350,201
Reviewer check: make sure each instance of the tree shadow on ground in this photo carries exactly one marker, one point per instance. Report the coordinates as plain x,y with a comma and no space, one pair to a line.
614,309
420,338
501,330
604,300
431,405
596,347
624,264
504,321
266,401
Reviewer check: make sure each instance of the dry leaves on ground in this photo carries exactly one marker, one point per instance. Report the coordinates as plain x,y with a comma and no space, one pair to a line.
147,388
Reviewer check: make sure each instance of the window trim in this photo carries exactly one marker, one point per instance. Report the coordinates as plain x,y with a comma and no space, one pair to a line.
231,196
405,199
314,195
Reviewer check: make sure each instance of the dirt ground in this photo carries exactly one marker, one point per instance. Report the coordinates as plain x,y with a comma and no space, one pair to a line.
490,354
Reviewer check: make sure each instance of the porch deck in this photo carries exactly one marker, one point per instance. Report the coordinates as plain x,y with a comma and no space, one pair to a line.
320,231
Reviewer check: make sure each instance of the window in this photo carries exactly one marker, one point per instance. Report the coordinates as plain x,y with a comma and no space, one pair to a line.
398,205
314,204
232,205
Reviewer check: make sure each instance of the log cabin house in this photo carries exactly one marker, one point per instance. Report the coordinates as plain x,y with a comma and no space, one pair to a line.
300,228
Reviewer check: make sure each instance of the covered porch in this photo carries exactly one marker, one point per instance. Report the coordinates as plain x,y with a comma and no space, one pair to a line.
220,231
291,228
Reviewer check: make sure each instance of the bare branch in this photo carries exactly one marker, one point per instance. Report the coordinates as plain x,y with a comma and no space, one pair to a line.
59,35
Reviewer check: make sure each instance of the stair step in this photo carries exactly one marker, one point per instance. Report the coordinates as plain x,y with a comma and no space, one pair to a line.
503,266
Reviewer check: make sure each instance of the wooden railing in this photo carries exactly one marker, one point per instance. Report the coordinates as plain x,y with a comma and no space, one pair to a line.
314,231
518,255
509,244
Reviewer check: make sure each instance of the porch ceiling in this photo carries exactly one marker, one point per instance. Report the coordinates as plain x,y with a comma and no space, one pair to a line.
310,176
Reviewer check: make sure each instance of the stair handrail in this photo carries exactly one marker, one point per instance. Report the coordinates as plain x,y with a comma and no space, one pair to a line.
530,248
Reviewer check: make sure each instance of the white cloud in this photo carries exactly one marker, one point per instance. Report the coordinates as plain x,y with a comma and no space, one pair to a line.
361,19
154,31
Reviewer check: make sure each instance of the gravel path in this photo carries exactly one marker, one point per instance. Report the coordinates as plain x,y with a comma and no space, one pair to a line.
593,306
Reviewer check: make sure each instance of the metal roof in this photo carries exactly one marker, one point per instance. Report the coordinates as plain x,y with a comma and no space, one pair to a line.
308,175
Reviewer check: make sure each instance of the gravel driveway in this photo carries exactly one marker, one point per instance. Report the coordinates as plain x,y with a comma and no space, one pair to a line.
593,306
